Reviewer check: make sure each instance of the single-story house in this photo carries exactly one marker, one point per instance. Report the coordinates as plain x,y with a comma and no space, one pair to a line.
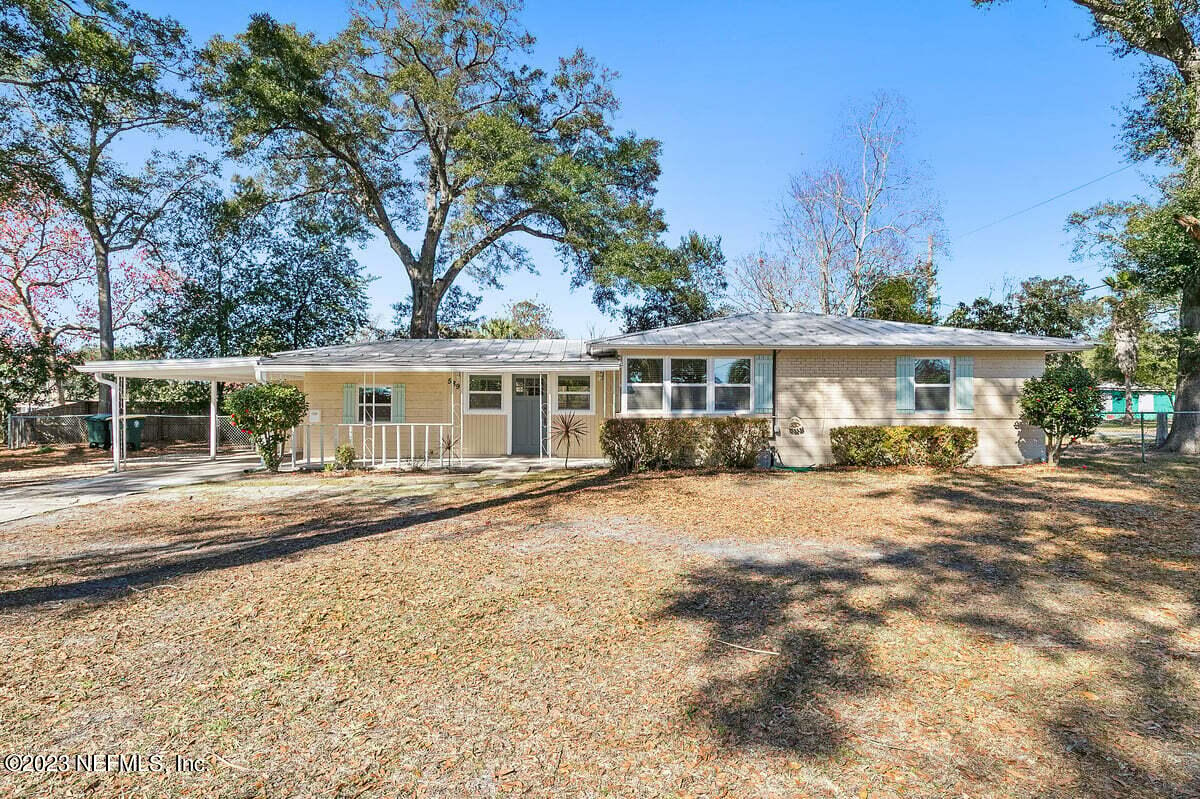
1145,400
806,373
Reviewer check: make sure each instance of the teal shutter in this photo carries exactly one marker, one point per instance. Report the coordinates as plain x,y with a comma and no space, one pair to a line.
397,402
349,403
764,384
906,399
964,383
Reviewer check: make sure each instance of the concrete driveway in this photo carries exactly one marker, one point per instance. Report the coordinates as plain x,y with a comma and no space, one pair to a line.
33,499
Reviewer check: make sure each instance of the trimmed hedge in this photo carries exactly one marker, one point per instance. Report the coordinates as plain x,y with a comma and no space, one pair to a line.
939,446
635,445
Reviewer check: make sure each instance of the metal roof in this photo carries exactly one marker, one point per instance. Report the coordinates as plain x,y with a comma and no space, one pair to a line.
764,330
549,353
229,370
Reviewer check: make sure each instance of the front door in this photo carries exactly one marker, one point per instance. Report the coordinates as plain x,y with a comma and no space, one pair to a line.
528,415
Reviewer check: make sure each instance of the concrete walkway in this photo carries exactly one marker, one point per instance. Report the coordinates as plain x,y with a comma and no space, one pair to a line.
33,499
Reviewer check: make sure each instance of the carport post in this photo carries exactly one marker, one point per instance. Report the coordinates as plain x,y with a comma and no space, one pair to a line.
116,420
213,429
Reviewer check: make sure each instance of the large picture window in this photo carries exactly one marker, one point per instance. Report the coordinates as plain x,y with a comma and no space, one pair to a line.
374,404
574,393
644,384
932,379
485,393
731,377
689,384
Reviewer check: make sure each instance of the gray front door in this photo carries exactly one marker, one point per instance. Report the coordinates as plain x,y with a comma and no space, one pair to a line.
528,415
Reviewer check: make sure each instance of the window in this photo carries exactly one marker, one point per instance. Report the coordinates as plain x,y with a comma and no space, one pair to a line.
731,377
932,379
644,384
689,384
485,392
374,404
574,393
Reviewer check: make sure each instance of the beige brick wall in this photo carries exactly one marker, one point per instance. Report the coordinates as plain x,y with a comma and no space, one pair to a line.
835,388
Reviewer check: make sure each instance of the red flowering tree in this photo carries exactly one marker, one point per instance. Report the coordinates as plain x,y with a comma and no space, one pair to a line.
1065,403
48,276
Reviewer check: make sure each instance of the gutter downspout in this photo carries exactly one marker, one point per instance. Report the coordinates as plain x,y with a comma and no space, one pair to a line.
116,419
774,404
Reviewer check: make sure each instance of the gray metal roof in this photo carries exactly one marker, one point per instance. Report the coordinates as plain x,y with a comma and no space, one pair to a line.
449,352
764,330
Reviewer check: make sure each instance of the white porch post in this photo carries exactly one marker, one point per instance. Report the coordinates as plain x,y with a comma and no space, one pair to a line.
118,431
213,428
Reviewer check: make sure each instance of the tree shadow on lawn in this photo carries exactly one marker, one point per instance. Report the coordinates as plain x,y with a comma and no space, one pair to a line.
301,536
1025,567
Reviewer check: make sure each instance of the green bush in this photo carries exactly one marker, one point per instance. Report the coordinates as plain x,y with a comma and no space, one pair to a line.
1065,403
268,412
635,445
939,446
343,458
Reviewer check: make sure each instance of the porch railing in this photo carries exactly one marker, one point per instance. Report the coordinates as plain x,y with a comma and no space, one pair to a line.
378,444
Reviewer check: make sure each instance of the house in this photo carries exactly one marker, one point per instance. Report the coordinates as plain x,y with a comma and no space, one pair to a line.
1145,400
807,373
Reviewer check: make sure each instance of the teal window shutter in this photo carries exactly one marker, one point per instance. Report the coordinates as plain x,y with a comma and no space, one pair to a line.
397,402
349,403
964,383
906,393
764,384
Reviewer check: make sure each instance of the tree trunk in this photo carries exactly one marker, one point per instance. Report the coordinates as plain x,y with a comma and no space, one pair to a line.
104,320
1128,400
1185,427
424,309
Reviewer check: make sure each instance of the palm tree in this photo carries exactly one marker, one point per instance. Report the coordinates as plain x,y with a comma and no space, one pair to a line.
1128,308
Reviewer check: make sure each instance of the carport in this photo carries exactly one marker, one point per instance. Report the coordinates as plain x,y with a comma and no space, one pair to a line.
114,374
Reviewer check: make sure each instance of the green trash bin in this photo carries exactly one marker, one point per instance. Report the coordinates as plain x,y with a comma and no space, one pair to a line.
133,431
99,430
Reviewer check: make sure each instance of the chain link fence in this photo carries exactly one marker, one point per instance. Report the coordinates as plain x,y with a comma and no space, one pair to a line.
1149,430
29,430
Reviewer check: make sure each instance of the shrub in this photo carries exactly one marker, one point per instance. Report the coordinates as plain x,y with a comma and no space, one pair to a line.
268,412
343,458
939,446
635,445
1065,403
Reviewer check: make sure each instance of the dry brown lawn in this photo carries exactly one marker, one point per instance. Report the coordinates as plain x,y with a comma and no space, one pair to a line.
990,632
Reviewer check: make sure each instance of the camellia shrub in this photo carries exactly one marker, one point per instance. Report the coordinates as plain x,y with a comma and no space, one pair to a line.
636,445
268,412
938,446
1065,403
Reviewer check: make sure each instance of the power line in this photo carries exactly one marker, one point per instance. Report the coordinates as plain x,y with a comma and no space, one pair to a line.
1044,202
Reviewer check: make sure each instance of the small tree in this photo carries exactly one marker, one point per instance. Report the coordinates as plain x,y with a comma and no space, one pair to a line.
268,412
566,430
1065,403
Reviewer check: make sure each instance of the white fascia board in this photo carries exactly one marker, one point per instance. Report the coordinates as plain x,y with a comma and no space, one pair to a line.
647,348
477,368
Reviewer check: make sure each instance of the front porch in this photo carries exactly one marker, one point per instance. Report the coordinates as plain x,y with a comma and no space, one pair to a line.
414,417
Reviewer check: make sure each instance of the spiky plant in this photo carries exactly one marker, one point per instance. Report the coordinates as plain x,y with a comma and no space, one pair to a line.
566,430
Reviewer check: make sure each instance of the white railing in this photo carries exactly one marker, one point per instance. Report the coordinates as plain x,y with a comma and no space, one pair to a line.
378,444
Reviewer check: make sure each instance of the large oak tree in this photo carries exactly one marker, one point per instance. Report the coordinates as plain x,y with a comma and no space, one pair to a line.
429,120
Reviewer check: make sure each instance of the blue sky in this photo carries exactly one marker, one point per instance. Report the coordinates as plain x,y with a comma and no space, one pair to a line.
1009,106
